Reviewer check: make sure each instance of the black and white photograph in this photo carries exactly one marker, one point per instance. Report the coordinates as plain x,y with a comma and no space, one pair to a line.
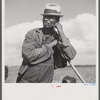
50,43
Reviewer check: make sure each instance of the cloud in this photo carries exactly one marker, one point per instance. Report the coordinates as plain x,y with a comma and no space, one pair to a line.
14,37
82,32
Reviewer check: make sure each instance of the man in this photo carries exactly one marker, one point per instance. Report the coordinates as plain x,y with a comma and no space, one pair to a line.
43,47
6,72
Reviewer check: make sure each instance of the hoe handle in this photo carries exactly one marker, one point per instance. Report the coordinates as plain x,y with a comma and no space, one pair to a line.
77,73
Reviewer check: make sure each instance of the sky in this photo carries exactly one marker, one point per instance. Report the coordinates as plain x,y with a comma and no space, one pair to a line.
20,11
79,25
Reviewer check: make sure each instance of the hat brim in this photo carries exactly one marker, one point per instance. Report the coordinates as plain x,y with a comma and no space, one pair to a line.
52,14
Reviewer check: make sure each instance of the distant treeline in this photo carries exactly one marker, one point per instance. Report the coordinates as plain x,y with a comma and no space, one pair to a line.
84,66
67,66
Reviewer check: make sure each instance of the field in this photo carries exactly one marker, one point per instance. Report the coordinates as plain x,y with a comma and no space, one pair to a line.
87,72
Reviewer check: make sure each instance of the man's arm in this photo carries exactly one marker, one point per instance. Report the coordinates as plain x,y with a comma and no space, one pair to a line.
34,54
64,45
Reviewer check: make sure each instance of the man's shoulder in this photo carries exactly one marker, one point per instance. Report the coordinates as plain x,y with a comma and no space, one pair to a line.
34,31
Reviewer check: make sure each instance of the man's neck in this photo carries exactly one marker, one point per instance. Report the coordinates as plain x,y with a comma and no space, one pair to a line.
48,31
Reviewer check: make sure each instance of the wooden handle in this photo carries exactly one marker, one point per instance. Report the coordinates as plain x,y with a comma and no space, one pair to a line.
77,73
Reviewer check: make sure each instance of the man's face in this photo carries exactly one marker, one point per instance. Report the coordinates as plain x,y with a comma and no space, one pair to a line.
49,21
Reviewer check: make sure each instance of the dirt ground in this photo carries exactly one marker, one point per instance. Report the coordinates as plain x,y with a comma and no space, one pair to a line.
87,72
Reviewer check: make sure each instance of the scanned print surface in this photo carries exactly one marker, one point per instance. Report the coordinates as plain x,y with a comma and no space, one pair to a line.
50,49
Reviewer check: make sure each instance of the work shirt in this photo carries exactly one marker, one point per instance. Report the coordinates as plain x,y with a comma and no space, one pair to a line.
38,57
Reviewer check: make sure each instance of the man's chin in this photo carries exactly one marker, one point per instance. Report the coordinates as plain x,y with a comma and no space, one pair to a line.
47,27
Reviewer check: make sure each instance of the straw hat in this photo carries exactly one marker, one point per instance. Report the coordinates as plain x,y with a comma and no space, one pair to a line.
52,9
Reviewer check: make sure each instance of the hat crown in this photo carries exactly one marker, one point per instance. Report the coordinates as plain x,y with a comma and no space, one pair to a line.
53,6
52,9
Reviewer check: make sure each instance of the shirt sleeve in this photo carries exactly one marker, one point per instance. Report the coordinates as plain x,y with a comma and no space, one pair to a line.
32,52
67,50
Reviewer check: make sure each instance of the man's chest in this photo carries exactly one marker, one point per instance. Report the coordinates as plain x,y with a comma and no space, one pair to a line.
41,38
46,39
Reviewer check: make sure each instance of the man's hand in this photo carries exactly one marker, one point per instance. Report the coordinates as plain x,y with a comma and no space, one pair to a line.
53,43
59,28
64,39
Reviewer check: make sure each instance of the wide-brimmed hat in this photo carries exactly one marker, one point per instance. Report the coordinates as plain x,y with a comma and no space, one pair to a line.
52,9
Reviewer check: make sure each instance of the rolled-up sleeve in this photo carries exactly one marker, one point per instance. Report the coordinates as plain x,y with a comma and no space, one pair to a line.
67,50
32,52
